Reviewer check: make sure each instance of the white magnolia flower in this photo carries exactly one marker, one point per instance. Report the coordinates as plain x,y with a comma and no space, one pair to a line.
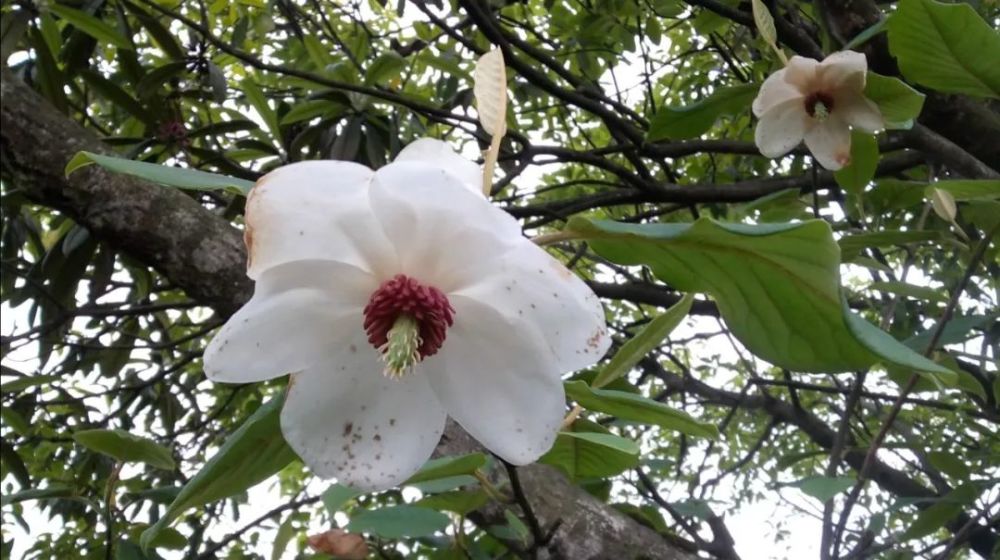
817,102
395,297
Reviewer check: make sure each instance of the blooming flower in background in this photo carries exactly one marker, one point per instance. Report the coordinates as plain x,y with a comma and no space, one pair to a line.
817,102
395,298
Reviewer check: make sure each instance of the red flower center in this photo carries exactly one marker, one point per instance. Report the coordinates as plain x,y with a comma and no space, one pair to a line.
403,295
819,100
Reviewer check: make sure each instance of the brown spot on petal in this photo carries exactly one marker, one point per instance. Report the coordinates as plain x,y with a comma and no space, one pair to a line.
340,544
348,428
844,158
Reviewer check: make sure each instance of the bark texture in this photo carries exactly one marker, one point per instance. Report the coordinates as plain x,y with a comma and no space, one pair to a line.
203,254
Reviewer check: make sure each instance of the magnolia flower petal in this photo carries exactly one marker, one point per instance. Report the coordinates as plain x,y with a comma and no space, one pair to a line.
546,302
497,382
442,232
801,72
315,210
297,312
774,91
348,421
844,70
860,112
440,154
781,128
830,143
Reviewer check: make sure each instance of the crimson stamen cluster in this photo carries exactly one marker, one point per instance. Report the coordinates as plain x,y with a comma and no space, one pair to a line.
404,295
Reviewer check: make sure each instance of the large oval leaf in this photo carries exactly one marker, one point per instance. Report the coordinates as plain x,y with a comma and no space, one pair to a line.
946,47
776,285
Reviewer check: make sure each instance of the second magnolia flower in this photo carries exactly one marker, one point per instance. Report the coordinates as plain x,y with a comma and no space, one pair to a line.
395,298
818,102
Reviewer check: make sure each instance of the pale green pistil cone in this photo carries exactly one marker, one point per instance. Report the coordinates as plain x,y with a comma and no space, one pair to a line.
401,351
820,111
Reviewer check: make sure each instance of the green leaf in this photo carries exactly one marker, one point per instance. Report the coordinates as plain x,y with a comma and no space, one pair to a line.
589,450
957,330
396,522
851,245
126,447
385,68
456,501
629,406
445,467
284,535
863,37
824,488
179,177
962,189
948,47
90,25
15,421
28,381
909,290
643,342
895,354
864,159
336,496
949,464
937,515
308,110
254,452
694,508
158,32
53,491
776,285
696,119
518,528
256,99
898,102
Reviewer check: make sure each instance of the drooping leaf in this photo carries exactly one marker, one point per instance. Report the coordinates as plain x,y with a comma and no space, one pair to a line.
643,342
254,452
394,522
629,406
179,177
126,447
697,118
948,47
776,285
